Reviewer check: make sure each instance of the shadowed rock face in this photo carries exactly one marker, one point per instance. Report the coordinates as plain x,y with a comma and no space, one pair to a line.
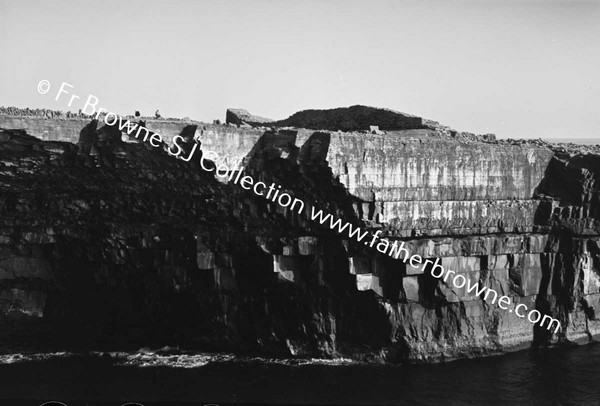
132,247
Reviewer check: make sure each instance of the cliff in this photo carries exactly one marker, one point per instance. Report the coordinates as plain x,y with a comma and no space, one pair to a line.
115,244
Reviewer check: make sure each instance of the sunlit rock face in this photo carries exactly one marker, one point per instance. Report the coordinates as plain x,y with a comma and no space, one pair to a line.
243,118
426,184
111,243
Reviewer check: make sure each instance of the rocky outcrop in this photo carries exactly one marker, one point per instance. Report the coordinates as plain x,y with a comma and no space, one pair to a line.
242,117
129,246
354,118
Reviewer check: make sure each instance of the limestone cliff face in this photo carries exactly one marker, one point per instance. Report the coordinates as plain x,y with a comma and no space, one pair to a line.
117,244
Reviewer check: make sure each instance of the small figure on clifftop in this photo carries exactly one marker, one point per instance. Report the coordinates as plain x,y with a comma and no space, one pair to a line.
157,114
137,113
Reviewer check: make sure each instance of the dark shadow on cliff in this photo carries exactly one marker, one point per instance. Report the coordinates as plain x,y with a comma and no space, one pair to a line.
569,209
326,287
126,225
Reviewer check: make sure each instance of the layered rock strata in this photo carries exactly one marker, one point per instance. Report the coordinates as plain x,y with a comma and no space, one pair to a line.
106,243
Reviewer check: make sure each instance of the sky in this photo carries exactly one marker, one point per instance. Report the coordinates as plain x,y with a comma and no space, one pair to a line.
518,69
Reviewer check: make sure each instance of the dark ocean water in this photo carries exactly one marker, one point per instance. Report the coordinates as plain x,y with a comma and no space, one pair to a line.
567,376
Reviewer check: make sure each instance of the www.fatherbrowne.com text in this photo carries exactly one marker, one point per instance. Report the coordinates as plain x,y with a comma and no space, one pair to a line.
274,193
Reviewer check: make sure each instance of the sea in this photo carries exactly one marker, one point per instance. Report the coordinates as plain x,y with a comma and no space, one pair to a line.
582,141
558,376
